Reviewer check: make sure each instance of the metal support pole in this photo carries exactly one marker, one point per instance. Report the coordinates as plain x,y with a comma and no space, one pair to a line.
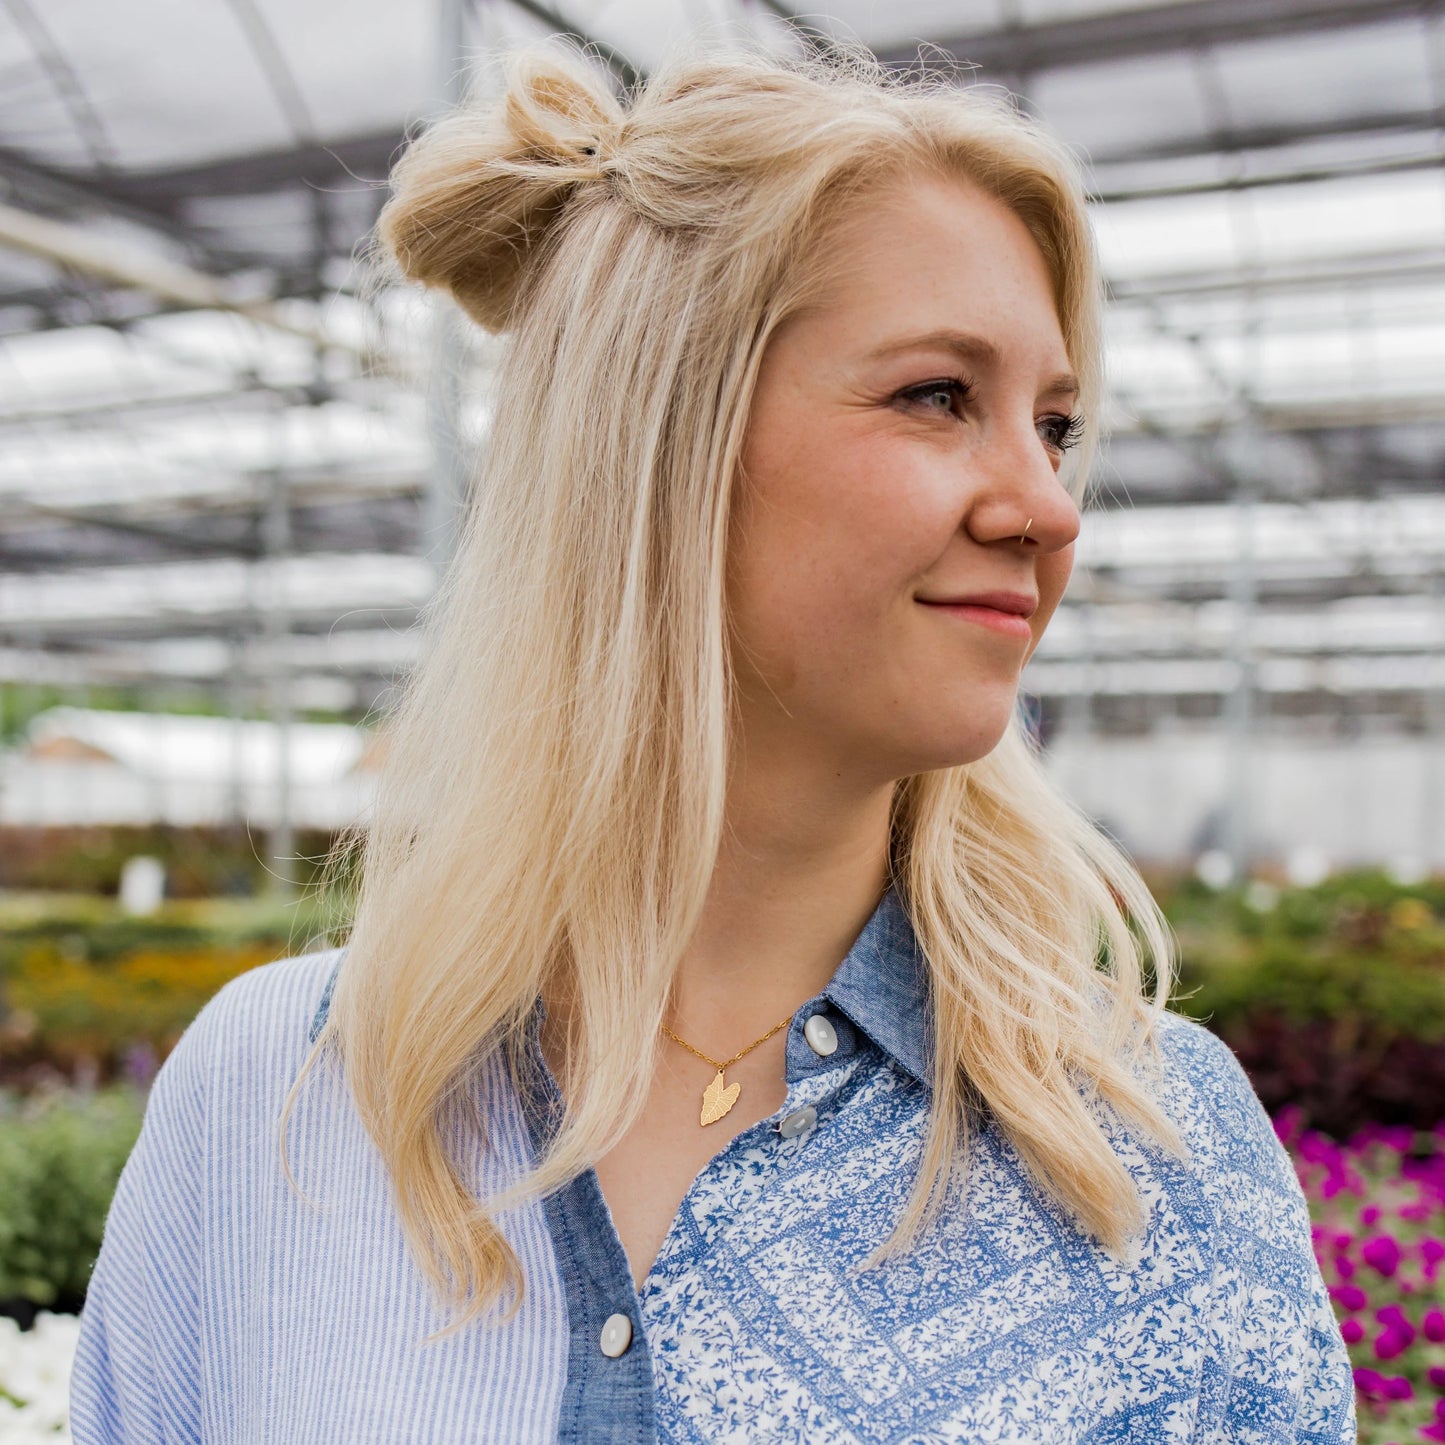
1432,771
235,702
1079,718
276,621
1239,702
446,483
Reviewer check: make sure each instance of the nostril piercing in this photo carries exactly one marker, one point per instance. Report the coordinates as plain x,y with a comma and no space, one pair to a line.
1025,532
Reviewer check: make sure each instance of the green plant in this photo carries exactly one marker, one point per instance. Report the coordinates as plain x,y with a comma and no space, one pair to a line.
60,1157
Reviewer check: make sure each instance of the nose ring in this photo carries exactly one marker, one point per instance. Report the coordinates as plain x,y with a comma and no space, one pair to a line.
1026,529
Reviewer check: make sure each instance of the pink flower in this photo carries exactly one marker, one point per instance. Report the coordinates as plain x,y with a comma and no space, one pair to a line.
1397,1387
1370,1215
1382,1253
1435,1374
1349,1297
1344,1266
1389,1343
1398,1137
1352,1332
1433,1325
1370,1383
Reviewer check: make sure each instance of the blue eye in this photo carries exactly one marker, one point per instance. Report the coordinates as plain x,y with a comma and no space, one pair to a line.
946,395
1060,432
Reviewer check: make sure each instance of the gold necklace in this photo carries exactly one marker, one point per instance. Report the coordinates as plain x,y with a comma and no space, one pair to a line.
718,1097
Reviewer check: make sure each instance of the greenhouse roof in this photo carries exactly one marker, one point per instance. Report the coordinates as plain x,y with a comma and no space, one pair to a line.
214,454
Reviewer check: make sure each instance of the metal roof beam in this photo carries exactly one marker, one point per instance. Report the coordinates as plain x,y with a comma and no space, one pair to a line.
71,246
40,188
626,73
360,160
1156,30
1294,176
1373,267
1421,124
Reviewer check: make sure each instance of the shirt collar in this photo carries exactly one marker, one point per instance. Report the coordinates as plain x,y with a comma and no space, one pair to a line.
881,986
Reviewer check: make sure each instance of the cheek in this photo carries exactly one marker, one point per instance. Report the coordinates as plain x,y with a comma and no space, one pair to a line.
1053,572
826,536
840,518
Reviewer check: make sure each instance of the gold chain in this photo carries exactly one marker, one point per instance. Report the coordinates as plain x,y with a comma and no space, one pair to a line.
720,1065
719,1096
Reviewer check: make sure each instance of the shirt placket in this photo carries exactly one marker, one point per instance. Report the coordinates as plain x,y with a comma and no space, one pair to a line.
609,1396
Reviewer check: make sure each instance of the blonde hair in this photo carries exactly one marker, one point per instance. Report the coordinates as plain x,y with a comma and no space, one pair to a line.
551,806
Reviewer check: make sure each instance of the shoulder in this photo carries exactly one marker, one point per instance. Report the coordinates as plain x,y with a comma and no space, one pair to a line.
251,1034
1227,1132
275,1000
1280,1363
1203,1083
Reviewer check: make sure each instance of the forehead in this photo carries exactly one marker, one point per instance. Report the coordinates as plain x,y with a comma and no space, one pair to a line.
928,252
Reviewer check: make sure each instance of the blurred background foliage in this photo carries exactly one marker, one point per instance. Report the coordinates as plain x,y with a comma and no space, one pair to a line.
1333,996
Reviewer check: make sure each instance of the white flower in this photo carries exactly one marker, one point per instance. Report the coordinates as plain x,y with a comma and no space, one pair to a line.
35,1379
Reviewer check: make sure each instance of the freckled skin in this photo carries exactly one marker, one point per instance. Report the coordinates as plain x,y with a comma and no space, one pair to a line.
853,504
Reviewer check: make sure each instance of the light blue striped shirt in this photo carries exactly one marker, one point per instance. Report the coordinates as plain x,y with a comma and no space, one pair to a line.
223,1308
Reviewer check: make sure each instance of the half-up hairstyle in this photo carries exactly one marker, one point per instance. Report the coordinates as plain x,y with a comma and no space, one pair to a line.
551,805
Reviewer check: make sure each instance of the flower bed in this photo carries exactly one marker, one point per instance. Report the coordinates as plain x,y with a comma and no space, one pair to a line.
35,1379
1333,997
1378,1205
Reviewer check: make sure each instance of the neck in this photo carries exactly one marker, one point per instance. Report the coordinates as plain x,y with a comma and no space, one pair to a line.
803,863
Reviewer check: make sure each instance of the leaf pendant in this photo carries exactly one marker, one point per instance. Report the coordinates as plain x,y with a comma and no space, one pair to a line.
717,1100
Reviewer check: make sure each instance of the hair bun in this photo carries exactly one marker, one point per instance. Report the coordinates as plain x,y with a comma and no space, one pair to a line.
476,193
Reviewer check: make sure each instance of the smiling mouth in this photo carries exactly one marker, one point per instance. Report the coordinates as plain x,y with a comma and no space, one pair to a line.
1012,624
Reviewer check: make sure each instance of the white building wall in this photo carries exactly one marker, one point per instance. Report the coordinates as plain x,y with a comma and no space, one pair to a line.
1363,801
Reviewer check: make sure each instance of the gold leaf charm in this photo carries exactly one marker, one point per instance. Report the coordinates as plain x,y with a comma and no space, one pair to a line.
717,1100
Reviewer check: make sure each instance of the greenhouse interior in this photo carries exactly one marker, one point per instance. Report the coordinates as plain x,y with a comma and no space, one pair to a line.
234,454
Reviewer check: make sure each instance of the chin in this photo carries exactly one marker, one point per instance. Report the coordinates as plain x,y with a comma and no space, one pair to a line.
930,754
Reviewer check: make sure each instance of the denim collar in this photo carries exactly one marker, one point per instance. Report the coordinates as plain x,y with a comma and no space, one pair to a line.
881,987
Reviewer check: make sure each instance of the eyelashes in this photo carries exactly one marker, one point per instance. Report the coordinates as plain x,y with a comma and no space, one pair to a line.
954,387
1059,431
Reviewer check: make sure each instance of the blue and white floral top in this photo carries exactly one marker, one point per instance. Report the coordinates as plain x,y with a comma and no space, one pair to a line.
224,1308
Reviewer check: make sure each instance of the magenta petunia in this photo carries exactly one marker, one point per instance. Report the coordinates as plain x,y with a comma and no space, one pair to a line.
1382,1253
1370,1383
1389,1344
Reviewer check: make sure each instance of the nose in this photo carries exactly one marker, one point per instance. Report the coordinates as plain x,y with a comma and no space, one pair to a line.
1021,499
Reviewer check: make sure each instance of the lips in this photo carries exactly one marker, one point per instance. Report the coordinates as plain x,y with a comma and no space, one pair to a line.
1017,603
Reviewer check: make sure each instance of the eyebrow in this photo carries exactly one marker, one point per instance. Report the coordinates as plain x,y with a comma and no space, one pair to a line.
975,349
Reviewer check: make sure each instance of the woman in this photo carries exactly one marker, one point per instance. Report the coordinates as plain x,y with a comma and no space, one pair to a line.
739,1038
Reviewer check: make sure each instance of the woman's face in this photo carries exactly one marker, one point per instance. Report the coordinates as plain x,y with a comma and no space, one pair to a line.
903,433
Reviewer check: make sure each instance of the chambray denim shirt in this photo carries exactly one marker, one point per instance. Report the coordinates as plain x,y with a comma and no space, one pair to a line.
224,1309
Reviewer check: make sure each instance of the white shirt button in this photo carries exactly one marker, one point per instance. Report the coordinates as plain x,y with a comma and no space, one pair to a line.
616,1336
822,1037
800,1121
